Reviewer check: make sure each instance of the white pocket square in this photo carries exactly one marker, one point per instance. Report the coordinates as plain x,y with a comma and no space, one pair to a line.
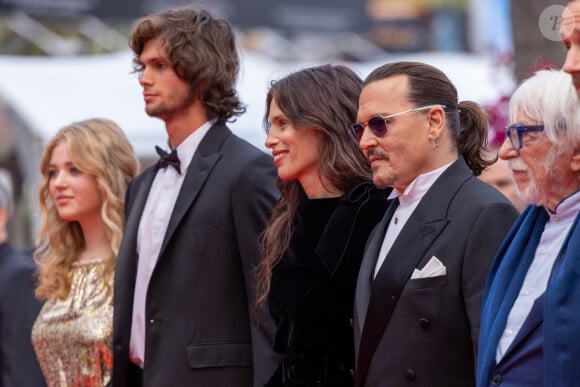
433,268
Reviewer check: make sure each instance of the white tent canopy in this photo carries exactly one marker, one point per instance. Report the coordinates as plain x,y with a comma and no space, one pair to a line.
477,78
49,93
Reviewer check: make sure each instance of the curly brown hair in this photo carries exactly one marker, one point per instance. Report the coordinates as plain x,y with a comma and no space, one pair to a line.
203,52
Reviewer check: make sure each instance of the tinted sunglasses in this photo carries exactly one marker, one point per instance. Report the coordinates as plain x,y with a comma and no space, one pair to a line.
378,124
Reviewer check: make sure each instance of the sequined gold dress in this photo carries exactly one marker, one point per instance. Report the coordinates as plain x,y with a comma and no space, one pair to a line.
73,337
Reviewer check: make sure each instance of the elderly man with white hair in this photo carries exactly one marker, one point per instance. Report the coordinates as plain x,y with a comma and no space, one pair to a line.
18,306
530,328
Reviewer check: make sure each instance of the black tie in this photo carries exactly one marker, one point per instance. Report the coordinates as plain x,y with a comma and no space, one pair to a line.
168,159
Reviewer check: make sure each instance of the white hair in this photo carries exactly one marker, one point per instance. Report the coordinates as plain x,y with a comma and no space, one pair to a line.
549,98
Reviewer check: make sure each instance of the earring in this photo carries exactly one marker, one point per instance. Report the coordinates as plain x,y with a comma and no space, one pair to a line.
434,144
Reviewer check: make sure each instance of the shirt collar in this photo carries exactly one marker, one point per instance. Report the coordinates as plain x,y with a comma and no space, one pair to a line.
418,187
567,209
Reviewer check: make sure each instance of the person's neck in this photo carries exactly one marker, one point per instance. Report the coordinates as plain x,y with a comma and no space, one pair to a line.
315,188
180,126
436,163
555,199
97,243
443,157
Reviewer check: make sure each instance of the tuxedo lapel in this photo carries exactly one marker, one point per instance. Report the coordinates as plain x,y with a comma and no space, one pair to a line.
410,246
367,269
197,174
418,234
128,246
202,163
532,321
126,267
134,216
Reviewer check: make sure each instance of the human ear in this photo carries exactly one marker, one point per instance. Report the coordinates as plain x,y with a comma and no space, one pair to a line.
575,162
436,118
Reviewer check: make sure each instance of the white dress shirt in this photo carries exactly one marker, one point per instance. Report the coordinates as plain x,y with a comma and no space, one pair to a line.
536,279
152,227
408,201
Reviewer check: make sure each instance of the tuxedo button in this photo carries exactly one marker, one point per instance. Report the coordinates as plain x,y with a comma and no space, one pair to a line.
424,323
351,322
496,379
410,374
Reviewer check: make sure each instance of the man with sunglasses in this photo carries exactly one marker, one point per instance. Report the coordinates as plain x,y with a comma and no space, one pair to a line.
418,297
531,310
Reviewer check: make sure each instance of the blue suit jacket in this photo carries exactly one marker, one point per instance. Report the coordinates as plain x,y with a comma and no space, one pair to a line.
521,365
546,351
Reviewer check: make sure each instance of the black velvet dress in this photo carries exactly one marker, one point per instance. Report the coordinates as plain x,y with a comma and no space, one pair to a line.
312,290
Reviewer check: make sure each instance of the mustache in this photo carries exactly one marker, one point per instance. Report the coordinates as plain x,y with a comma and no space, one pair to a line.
517,164
376,153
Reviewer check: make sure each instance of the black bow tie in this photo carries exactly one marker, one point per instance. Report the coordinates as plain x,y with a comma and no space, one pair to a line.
168,159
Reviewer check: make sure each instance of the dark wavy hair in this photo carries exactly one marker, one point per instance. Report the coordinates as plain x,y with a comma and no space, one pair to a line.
203,52
324,98
467,122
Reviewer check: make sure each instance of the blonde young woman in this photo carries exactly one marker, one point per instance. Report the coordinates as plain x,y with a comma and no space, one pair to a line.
85,168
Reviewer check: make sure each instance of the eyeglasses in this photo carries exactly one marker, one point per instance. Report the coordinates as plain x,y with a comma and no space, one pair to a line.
378,124
516,132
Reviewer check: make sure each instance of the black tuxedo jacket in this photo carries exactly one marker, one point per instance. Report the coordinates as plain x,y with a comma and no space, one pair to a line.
200,326
424,332
18,311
